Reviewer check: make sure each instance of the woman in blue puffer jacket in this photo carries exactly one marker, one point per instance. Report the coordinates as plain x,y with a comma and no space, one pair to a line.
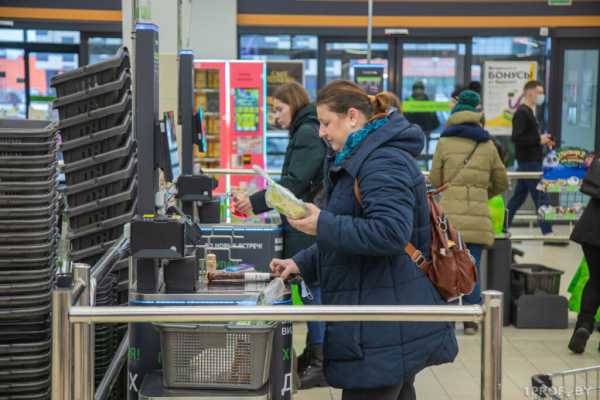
359,255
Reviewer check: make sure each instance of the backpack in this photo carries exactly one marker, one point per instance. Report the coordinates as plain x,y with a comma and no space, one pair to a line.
452,269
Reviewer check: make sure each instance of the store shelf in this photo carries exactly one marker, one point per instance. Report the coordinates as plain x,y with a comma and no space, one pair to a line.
211,114
278,134
208,160
212,137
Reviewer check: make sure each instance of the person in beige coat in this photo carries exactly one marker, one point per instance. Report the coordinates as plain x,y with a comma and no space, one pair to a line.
466,159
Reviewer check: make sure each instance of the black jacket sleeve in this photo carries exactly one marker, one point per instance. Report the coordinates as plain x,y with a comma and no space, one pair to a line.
306,160
259,203
524,132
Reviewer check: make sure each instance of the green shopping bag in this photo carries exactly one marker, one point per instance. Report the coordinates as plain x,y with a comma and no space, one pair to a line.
576,287
497,213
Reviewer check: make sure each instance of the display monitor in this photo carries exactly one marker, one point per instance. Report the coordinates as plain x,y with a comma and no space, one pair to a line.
169,152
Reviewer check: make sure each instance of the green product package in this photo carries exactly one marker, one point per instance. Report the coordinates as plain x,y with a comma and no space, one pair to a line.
497,213
576,287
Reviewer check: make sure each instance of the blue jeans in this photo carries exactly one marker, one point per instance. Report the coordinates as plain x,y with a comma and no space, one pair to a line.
316,329
475,296
528,186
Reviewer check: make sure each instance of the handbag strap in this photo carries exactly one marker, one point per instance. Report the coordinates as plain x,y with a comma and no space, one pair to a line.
465,163
415,254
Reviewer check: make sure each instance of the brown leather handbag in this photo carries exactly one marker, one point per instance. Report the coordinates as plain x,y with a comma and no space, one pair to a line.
452,269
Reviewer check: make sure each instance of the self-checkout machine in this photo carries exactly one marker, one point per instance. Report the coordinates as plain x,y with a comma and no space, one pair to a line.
231,361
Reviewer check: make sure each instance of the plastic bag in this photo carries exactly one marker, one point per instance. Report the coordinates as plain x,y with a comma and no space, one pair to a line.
497,213
272,293
576,287
281,199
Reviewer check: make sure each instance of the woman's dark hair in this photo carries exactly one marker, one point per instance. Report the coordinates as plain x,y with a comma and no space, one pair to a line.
532,85
340,96
294,95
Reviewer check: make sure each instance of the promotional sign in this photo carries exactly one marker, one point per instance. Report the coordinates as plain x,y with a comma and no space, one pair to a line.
279,73
503,83
370,77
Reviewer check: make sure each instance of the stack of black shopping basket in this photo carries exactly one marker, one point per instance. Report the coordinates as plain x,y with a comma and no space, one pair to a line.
28,242
98,147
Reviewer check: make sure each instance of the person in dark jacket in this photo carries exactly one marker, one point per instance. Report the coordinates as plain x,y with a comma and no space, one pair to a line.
302,173
529,152
587,234
359,255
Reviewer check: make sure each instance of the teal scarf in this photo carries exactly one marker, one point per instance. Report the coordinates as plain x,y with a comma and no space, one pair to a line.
357,137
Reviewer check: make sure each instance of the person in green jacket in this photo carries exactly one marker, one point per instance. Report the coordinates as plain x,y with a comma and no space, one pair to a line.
302,173
467,160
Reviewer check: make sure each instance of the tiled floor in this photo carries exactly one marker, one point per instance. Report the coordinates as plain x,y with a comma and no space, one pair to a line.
525,352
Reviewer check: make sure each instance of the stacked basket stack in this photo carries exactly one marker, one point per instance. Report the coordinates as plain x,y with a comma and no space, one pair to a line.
95,123
28,242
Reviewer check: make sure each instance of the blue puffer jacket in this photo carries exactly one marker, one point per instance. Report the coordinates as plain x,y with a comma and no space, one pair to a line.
359,258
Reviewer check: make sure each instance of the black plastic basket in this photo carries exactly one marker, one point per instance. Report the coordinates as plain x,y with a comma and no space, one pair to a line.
28,149
29,360
39,250
17,225
95,121
91,251
90,76
534,279
31,126
101,187
98,166
27,262
96,238
28,287
96,144
26,274
35,187
32,347
98,206
21,161
27,174
25,300
34,395
90,100
28,199
24,386
23,335
25,312
28,212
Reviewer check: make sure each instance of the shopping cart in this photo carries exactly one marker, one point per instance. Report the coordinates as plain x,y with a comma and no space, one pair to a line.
583,383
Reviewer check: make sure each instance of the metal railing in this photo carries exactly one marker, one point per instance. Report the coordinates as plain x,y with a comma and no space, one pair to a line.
512,175
71,321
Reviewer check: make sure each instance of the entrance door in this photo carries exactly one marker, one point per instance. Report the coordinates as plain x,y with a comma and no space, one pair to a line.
579,92
430,72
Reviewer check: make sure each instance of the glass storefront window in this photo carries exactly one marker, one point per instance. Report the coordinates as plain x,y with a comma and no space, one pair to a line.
46,36
499,48
284,47
342,56
42,67
580,100
11,35
12,83
101,48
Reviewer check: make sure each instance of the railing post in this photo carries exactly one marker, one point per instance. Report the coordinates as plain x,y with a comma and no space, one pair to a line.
83,340
491,346
61,340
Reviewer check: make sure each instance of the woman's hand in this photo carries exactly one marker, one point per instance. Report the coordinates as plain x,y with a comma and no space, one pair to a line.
307,224
284,268
242,204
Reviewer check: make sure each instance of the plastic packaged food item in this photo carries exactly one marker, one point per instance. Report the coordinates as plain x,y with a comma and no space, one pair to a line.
281,199
211,263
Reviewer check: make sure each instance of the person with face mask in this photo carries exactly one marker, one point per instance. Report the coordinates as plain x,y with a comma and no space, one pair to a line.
302,173
529,149
359,256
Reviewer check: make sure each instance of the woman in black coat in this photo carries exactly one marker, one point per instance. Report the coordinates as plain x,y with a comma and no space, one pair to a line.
587,234
302,174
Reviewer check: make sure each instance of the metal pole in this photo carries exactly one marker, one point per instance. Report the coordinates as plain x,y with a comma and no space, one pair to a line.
83,341
108,259
370,31
61,343
113,370
275,313
491,346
